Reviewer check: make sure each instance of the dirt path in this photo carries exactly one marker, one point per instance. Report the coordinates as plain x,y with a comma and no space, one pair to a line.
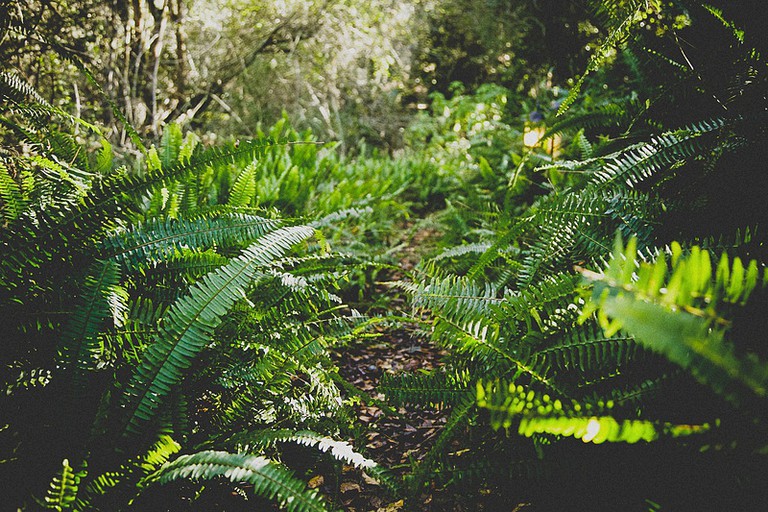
396,439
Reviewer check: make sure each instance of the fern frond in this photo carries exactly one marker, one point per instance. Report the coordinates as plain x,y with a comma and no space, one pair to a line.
269,479
621,18
190,322
126,475
158,239
436,388
461,415
613,116
23,98
643,161
180,269
547,303
460,299
170,145
13,201
98,211
62,492
678,311
335,218
27,378
583,350
79,340
510,404
104,158
340,450
244,187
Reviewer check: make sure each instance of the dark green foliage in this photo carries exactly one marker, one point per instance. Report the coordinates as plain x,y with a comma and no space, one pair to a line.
125,310
190,322
168,328
685,313
101,297
658,355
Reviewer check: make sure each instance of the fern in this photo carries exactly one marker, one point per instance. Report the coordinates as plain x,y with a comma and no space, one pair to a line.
585,350
435,388
340,450
13,201
102,205
544,414
190,322
244,188
170,145
459,299
676,311
268,478
62,492
641,162
30,105
621,17
127,478
159,239
79,338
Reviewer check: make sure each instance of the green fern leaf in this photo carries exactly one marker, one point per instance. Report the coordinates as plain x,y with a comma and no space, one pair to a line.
62,492
190,322
170,145
269,479
536,414
158,239
434,388
104,159
676,312
79,339
13,202
244,188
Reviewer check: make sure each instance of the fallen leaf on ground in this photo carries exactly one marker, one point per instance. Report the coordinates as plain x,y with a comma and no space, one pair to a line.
349,486
315,482
392,507
369,480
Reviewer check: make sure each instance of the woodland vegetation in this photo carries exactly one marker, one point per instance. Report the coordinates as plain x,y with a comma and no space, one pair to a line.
240,238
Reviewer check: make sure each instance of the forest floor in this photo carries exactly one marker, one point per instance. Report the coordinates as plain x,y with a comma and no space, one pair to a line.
398,439
393,438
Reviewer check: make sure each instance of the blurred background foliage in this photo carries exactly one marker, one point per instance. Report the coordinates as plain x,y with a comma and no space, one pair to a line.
348,69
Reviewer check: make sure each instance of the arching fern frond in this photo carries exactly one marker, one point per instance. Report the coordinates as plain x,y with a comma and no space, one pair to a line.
339,450
62,492
244,187
543,305
436,388
620,17
582,351
170,145
513,405
18,95
680,306
460,299
13,201
79,340
157,239
643,161
189,324
269,479
126,476
102,207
